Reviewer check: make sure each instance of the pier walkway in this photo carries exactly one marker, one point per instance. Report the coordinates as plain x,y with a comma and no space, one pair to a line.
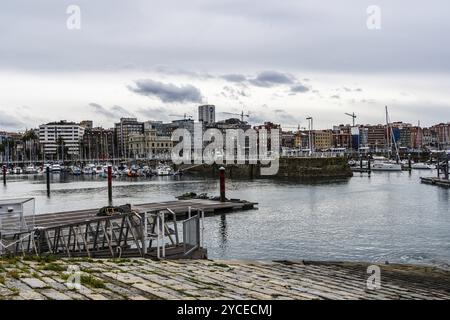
206,279
83,233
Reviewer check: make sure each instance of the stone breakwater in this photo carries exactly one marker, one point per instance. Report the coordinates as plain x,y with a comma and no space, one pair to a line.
141,279
296,168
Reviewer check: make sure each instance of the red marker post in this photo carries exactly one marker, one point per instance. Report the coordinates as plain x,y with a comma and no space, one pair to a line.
222,184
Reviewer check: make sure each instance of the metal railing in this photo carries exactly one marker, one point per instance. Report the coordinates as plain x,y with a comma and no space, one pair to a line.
191,234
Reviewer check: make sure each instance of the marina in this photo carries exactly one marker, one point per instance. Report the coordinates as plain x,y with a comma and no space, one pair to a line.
314,220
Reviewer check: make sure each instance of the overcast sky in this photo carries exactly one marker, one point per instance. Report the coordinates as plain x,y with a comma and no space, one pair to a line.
278,60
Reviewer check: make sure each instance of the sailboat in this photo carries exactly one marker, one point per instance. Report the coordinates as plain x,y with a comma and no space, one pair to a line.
384,164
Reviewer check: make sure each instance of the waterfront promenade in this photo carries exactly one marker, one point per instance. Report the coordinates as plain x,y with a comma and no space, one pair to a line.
142,279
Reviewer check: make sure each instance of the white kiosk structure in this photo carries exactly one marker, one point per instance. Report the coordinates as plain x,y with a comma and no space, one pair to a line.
16,222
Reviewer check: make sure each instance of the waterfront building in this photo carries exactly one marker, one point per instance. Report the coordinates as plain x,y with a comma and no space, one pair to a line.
288,139
376,137
60,140
429,138
302,140
98,144
416,135
207,113
149,145
12,147
323,139
123,130
87,124
269,126
443,135
342,137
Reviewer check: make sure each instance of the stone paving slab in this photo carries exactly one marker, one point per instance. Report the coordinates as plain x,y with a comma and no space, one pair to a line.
144,279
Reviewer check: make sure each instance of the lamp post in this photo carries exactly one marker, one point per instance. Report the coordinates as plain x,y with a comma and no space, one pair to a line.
310,119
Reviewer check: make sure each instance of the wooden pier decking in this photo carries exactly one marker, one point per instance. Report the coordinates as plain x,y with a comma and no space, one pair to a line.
180,207
441,182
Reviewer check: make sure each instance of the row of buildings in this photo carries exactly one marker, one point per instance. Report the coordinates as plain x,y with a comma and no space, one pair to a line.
131,138
371,138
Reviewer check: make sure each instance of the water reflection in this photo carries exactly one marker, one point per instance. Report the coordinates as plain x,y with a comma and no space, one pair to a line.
223,232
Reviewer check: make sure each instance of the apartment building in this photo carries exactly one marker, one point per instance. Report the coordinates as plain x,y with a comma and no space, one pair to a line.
62,135
207,113
123,130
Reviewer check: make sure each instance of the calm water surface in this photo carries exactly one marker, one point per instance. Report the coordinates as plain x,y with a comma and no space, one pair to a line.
389,216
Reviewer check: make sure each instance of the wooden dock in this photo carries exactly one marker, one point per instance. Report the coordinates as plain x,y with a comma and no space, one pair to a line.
180,207
83,233
441,182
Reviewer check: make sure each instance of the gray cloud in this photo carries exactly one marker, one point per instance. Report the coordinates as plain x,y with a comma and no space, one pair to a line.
346,89
121,111
8,121
114,113
234,77
299,88
167,92
269,79
156,113
101,110
234,93
251,33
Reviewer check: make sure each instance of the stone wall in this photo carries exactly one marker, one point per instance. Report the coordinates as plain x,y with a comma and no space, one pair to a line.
299,168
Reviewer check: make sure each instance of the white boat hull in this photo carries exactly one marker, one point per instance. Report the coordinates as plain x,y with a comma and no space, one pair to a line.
386,167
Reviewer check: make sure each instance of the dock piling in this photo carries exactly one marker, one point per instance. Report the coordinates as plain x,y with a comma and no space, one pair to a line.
110,185
409,162
4,175
446,167
222,184
47,172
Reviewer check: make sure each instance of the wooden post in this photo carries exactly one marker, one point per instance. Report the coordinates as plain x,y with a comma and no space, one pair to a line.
222,184
446,166
369,166
47,171
4,175
438,166
110,185
360,163
409,162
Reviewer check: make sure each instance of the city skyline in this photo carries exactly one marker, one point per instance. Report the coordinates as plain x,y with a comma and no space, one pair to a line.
279,62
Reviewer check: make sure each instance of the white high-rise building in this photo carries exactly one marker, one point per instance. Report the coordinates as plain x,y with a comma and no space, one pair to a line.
207,113
51,133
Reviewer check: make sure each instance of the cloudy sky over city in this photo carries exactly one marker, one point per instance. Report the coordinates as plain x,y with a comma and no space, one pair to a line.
279,61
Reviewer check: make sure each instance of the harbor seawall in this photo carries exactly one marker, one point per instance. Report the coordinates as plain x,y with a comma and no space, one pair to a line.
297,168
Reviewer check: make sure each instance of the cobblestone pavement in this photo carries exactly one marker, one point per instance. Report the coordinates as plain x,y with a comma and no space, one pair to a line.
37,278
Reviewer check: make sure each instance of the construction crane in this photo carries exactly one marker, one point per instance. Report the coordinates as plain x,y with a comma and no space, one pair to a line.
242,115
185,116
353,115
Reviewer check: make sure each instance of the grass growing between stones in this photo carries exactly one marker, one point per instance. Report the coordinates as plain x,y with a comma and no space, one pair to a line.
54,267
14,274
90,281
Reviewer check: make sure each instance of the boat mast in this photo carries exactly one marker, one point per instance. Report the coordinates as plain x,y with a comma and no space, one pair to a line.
391,133
388,133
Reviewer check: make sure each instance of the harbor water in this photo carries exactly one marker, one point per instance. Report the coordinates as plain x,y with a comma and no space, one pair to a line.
387,217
